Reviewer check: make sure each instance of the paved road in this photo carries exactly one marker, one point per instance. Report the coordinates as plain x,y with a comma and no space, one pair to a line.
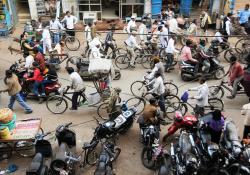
129,161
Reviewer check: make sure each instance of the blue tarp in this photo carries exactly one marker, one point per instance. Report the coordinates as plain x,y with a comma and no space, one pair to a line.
185,7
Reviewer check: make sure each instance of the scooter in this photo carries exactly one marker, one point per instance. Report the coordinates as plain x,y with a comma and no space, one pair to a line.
189,72
37,166
64,160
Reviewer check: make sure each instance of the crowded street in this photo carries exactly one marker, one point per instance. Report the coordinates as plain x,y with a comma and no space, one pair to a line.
183,77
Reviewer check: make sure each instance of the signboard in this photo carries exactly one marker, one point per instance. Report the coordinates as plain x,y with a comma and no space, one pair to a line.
25,130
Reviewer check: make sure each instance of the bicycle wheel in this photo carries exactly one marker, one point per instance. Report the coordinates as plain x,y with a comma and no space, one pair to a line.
242,44
138,88
117,52
216,92
72,61
171,88
25,148
137,102
102,111
215,103
122,62
172,103
147,61
5,151
72,43
56,104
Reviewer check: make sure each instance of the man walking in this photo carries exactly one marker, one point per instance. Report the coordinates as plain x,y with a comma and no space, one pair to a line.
70,21
14,88
109,41
46,38
244,15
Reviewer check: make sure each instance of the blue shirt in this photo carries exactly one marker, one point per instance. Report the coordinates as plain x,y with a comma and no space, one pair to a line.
244,15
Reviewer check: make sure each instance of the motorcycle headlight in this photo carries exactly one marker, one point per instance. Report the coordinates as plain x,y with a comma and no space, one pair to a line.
213,148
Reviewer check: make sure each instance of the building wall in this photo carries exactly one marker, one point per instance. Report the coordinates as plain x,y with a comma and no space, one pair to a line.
240,4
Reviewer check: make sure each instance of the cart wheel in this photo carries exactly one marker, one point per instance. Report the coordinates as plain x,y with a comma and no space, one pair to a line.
5,151
56,104
102,111
25,148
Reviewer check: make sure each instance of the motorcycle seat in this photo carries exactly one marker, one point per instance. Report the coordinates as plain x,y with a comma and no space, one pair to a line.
36,164
87,145
185,64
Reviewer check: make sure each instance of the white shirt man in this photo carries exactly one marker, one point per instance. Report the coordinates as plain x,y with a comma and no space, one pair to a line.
76,82
157,68
131,25
95,52
87,33
143,31
171,47
202,96
70,21
164,37
28,62
173,25
158,87
46,38
55,26
228,26
218,37
131,45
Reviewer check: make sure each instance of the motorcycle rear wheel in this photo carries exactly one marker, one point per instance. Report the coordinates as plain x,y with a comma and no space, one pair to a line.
91,156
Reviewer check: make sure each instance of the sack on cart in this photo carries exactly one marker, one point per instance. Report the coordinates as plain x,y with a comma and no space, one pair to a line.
100,66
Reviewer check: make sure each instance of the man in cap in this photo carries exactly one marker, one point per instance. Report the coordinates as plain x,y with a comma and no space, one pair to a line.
131,25
131,44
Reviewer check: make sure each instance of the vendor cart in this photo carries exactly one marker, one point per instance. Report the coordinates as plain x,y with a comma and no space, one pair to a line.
21,139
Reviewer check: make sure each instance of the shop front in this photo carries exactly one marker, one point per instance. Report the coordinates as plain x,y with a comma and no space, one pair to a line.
109,9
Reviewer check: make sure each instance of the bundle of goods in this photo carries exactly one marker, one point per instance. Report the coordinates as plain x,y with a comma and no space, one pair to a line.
7,122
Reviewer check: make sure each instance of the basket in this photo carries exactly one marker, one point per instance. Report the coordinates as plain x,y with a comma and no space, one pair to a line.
6,115
11,125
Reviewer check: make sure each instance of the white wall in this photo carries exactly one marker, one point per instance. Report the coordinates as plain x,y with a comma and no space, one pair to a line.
33,9
67,4
147,6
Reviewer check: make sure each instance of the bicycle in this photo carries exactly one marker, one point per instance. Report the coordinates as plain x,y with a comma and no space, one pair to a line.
137,88
213,103
171,101
218,91
60,101
242,43
123,61
71,42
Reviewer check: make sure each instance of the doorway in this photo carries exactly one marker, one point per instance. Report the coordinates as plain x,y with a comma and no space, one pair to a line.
110,9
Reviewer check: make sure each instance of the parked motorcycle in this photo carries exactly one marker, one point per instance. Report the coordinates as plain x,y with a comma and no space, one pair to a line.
109,154
119,125
189,72
37,166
